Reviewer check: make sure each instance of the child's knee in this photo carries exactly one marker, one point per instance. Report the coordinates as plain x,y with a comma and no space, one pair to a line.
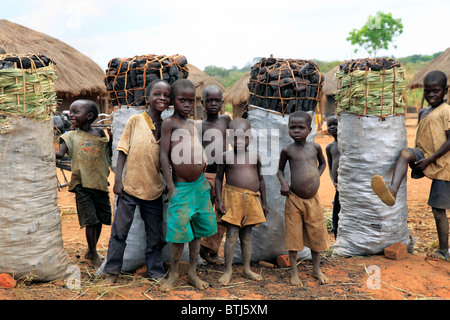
407,154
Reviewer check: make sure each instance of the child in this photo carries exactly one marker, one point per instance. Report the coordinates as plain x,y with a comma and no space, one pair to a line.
430,158
190,215
305,224
333,156
89,150
241,207
214,129
142,184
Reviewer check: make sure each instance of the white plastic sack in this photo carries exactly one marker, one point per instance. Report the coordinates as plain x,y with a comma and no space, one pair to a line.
31,241
369,146
270,134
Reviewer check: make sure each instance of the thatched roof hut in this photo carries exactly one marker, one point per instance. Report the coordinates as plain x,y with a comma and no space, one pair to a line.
78,75
441,63
329,88
201,80
238,95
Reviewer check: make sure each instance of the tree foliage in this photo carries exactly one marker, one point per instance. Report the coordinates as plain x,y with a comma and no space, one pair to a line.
378,32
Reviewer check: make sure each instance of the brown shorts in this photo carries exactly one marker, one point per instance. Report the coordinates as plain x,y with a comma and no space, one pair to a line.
305,224
243,207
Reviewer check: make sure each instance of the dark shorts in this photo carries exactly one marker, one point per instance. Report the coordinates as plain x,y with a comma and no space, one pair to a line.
93,206
440,190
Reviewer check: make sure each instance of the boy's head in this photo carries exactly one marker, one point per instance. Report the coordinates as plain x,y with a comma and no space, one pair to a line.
435,87
158,94
241,132
332,125
299,125
83,112
183,96
212,99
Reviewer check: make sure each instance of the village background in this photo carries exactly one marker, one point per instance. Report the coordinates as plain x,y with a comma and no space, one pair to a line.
80,76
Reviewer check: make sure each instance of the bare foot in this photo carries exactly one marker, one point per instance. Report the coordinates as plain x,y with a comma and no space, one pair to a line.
95,258
111,279
320,276
251,275
197,282
169,284
226,278
295,281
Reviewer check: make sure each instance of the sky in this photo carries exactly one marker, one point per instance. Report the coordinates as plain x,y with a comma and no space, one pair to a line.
229,33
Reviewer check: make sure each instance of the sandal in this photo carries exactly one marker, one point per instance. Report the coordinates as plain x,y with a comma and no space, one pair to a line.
381,189
438,255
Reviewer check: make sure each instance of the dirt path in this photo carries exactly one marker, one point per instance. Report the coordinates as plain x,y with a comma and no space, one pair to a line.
411,278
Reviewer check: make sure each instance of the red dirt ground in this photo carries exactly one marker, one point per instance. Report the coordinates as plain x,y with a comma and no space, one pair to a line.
412,278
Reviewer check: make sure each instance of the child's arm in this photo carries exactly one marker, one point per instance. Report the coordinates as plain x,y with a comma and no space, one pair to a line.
330,164
321,159
280,174
118,184
218,183
166,134
424,163
262,187
62,151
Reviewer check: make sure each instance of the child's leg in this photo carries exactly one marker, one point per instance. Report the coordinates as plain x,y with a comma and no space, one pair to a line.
92,236
295,281
440,216
177,250
317,273
194,251
230,243
246,249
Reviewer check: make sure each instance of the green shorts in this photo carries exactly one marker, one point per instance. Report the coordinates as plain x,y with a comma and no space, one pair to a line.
190,214
93,206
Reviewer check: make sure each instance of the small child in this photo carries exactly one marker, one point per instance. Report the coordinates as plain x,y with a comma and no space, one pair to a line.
430,158
241,206
138,182
190,215
333,155
90,152
305,224
214,129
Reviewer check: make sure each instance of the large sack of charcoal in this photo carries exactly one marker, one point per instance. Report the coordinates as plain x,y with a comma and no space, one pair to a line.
285,85
31,244
127,78
371,134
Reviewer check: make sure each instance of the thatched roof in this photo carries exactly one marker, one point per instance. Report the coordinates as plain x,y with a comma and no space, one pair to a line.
201,80
441,63
77,73
238,93
330,82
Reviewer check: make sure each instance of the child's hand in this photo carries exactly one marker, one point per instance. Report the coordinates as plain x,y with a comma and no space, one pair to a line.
284,189
169,192
265,209
221,207
422,164
118,188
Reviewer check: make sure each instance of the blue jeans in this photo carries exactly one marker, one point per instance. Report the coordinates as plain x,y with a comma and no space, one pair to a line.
152,215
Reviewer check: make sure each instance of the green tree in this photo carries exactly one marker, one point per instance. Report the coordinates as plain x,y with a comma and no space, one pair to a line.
378,32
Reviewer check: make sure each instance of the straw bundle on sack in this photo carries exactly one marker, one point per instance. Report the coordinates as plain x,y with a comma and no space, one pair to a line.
371,87
27,86
285,85
127,79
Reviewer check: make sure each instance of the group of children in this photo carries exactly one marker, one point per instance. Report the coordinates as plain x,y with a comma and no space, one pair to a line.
223,190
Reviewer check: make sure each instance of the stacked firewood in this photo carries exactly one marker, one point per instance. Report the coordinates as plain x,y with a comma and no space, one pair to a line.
127,78
285,85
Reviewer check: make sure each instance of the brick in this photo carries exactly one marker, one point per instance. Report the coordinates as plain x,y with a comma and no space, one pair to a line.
6,281
396,251
283,261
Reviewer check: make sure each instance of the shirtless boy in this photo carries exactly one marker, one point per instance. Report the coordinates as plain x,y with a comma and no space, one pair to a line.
214,130
333,155
305,224
240,206
190,215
